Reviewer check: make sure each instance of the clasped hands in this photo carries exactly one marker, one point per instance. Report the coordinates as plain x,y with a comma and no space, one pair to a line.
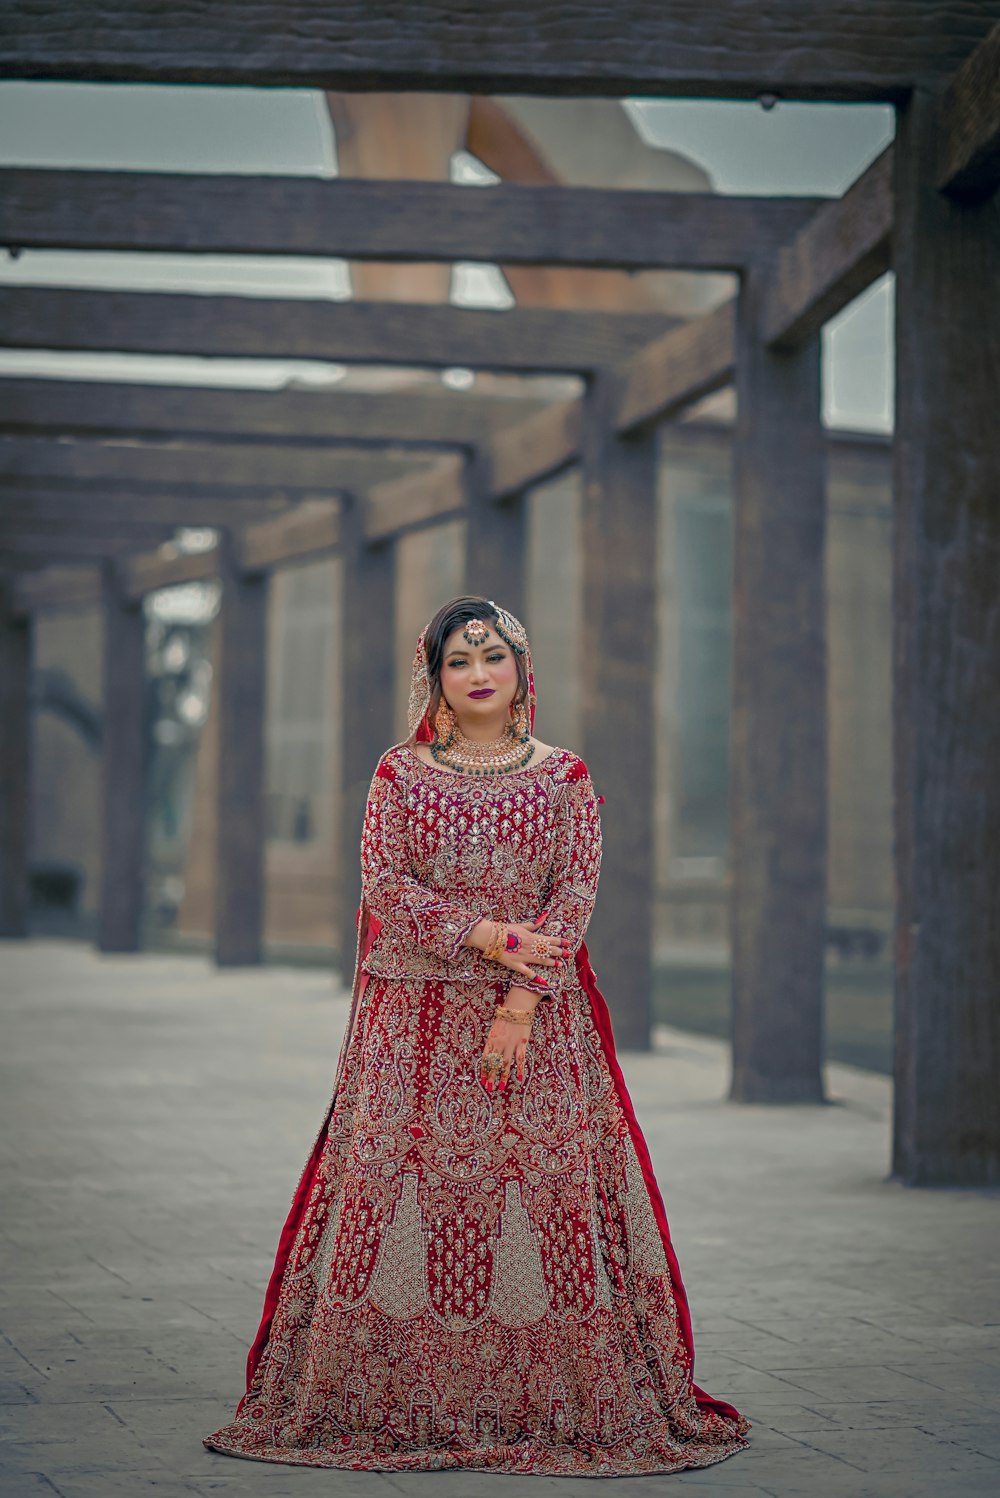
514,946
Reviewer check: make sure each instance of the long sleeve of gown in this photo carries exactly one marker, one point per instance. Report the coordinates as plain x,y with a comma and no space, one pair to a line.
421,915
571,890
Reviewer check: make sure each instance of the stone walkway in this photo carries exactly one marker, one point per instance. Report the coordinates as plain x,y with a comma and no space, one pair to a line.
156,1116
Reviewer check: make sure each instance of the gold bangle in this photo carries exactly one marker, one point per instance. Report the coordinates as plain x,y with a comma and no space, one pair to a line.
516,1016
497,946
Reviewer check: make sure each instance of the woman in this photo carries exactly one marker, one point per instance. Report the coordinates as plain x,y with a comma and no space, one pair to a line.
476,1270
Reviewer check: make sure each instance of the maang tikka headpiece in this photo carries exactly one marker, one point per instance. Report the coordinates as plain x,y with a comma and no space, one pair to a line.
510,630
475,632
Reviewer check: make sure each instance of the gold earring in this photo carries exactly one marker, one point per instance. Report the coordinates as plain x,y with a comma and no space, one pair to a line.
521,721
445,723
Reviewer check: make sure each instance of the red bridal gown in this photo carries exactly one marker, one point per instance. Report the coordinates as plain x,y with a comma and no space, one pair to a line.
473,1279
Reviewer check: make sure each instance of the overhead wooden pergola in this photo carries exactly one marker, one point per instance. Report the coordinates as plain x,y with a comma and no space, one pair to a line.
104,472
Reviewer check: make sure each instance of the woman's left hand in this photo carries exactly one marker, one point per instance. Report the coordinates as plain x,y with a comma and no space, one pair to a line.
508,1040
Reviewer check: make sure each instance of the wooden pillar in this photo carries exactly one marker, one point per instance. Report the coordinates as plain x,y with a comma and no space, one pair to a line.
15,755
123,767
946,671
240,833
617,661
496,540
368,675
778,746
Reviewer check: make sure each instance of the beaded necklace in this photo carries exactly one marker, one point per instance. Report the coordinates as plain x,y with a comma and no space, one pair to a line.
511,751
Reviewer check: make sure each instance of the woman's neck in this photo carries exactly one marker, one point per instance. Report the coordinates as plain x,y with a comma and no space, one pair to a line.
483,730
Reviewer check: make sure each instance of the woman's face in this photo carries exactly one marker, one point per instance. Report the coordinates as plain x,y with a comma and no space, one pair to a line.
478,681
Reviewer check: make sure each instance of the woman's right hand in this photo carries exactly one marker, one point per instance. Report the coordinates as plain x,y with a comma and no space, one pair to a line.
532,947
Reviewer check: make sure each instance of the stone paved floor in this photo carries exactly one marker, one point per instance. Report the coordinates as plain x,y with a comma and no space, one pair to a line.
156,1115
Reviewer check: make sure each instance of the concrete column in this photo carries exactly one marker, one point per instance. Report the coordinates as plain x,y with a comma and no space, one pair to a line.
240,834
123,768
15,756
368,656
618,706
946,670
779,736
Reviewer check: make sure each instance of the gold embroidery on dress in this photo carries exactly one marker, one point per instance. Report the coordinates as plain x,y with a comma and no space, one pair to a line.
398,1284
476,1279
602,1294
646,1255
519,1297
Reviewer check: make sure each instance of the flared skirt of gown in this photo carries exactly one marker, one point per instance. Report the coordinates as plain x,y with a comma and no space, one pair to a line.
475,1280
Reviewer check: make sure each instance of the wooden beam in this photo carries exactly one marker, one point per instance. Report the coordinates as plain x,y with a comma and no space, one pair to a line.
15,761
229,502
678,368
304,533
15,564
798,49
82,527
368,679
833,259
239,863
672,371
123,813
76,587
617,655
210,465
428,494
946,666
520,339
656,379
129,507
75,545
675,370
56,588
423,415
523,453
693,358
778,789
146,571
533,449
186,213
865,455
970,124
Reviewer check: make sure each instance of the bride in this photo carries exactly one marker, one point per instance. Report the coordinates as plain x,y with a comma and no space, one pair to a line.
476,1270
